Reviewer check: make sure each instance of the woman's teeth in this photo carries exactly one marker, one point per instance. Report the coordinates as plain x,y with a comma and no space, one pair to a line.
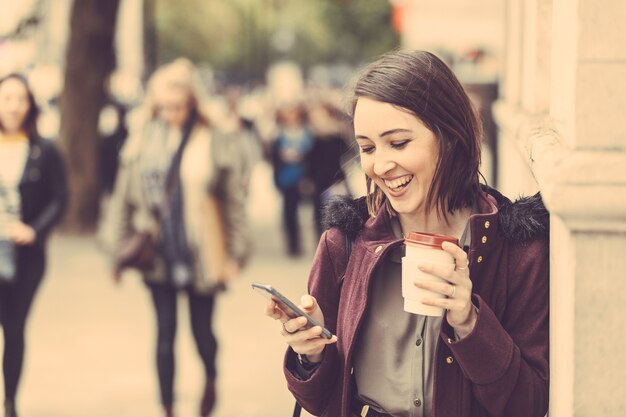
399,183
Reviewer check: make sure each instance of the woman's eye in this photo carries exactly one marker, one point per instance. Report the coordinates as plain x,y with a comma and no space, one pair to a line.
400,144
367,149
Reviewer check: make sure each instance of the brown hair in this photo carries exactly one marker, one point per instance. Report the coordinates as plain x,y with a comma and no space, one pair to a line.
30,121
423,84
294,106
179,74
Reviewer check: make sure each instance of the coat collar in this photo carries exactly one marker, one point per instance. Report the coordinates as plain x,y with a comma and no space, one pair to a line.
519,221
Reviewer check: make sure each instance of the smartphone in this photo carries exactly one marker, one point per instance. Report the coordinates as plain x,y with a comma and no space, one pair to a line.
288,306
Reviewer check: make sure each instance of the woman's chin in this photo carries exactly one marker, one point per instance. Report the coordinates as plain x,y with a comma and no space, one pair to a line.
405,206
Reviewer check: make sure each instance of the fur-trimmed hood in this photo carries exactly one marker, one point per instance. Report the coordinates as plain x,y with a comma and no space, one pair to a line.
521,221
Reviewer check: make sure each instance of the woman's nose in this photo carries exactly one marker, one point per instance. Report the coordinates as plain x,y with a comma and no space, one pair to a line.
383,163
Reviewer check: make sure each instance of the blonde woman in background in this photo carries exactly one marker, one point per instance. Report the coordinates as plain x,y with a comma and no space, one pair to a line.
179,180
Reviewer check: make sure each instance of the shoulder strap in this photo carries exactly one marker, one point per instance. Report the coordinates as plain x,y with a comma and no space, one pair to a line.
349,242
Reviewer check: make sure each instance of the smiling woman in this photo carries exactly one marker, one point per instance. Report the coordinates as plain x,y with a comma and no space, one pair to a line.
487,354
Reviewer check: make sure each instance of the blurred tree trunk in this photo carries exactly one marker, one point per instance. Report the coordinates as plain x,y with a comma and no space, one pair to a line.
90,60
149,38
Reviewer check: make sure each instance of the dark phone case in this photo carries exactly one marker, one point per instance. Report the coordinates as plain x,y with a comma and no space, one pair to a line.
288,306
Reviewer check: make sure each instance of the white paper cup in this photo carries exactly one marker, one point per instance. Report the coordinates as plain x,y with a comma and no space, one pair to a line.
413,295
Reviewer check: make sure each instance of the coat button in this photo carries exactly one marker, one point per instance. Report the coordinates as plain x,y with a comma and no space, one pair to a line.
449,360
417,402
418,342
450,341
487,224
480,259
484,239
351,371
378,248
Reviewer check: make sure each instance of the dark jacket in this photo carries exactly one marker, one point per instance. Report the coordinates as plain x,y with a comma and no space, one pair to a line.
501,368
43,188
324,161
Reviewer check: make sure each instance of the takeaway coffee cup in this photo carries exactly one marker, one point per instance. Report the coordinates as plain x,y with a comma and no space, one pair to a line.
423,248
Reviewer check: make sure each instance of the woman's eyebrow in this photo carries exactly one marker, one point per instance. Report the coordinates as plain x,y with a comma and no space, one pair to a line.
393,131
386,133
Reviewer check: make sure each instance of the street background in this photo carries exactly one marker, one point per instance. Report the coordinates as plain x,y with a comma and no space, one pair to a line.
90,343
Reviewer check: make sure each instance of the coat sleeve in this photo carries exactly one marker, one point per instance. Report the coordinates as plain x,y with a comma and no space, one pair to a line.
313,393
231,190
54,171
118,217
506,359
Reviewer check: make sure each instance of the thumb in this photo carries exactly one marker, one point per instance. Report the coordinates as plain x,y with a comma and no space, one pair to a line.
308,303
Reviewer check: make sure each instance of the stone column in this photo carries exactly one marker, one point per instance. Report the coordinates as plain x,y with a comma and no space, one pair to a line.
571,131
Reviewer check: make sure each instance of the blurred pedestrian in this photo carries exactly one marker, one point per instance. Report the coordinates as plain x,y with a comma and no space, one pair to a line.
179,182
113,132
33,193
485,353
325,159
290,149
241,132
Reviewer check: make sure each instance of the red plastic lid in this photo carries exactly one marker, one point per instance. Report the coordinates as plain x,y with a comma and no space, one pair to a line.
429,239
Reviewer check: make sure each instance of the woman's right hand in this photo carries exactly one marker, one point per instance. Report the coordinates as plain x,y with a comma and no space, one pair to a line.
22,234
304,341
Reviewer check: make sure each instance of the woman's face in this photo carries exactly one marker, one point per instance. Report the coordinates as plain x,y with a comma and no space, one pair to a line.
398,152
14,105
291,116
173,106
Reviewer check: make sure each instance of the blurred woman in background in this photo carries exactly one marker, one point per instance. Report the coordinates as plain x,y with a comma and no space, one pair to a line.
324,161
289,158
179,181
33,192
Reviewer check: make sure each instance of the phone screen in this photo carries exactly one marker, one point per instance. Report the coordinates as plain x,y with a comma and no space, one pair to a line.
288,306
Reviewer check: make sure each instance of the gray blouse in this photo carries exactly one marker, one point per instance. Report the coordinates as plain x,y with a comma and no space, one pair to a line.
393,363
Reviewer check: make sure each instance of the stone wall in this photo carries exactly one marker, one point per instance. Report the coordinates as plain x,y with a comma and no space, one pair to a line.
561,114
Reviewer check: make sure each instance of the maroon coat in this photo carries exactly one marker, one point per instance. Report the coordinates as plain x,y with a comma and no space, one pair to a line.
500,369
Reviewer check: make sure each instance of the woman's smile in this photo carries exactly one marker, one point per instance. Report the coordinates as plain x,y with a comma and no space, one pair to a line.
396,185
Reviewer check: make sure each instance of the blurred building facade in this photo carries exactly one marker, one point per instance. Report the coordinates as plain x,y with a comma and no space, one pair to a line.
564,94
559,117
41,51
468,35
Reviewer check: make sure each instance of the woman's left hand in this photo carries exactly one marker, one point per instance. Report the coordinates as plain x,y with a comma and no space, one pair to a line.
22,234
461,313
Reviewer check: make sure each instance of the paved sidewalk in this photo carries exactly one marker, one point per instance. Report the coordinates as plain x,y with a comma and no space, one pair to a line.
90,343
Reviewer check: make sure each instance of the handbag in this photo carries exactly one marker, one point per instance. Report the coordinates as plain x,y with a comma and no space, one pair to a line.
137,251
